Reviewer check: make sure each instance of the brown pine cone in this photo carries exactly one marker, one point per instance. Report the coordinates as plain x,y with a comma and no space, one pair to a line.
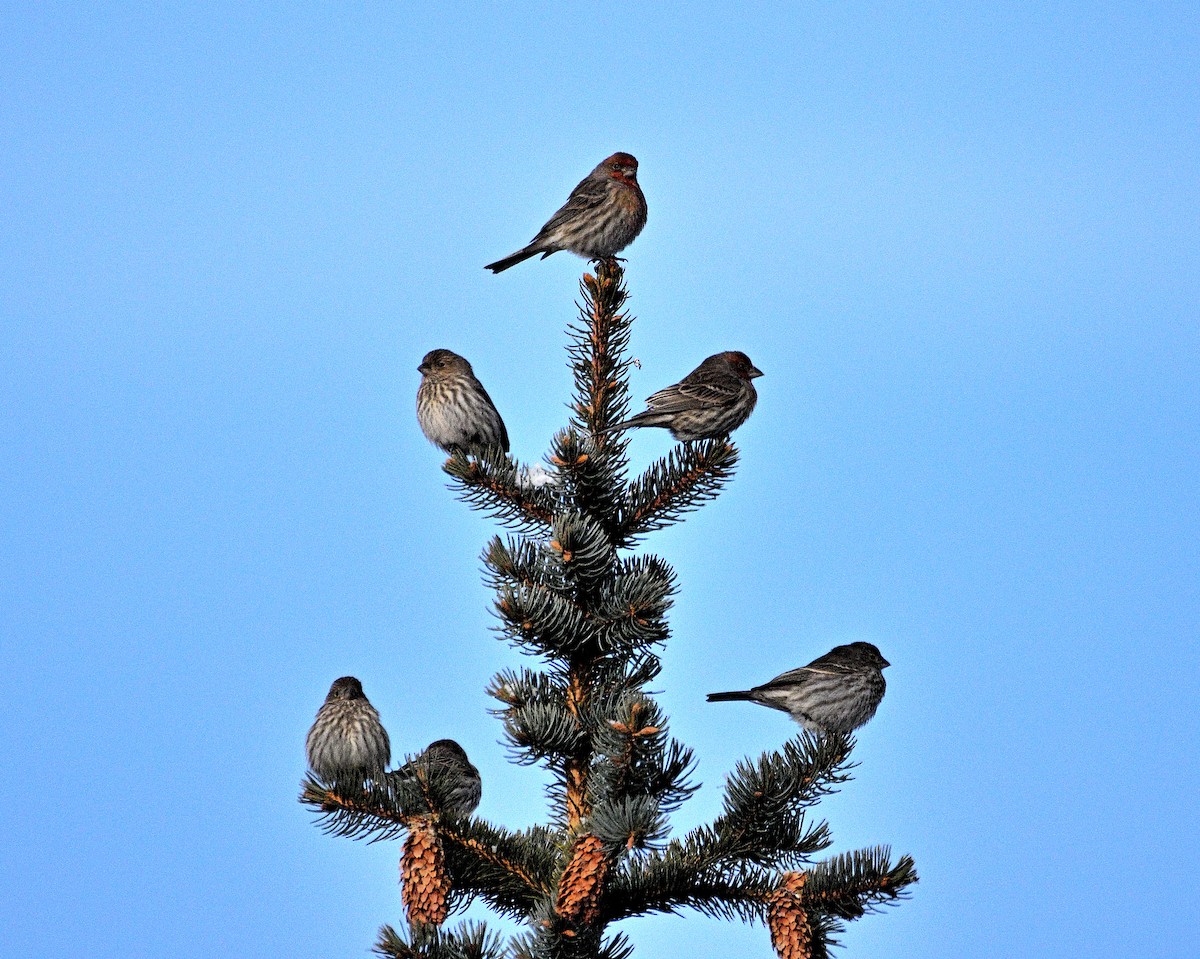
582,881
788,920
423,873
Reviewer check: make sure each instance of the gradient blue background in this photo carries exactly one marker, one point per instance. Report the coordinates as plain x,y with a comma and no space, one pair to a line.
960,240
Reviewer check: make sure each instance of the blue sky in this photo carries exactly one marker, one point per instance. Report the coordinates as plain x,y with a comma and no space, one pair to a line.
962,244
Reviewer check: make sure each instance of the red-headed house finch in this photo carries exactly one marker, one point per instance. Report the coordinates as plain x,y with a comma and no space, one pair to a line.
835,693
445,774
602,216
714,399
453,408
347,740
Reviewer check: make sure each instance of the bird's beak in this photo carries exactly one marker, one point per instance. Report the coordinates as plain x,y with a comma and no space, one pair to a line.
755,371
885,663
422,368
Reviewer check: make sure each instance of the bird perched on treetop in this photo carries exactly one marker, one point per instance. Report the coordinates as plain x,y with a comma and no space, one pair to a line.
453,408
453,784
602,216
714,399
835,693
347,738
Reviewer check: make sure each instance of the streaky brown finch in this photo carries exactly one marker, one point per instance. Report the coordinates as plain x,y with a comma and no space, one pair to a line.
835,693
453,408
454,785
602,216
347,740
713,400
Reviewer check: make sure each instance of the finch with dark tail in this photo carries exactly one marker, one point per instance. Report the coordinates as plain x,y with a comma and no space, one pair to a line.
602,216
347,740
453,408
453,784
835,693
713,400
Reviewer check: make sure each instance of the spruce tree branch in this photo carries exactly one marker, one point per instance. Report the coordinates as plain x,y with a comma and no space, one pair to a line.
372,813
765,799
535,718
583,548
543,620
552,938
593,475
690,475
618,947
727,900
763,822
658,885
491,483
633,604
844,887
825,930
541,730
469,941
636,760
485,860
521,563
851,884
511,870
625,613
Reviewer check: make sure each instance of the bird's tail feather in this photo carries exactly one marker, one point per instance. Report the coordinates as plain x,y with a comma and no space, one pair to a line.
615,428
520,256
735,696
647,418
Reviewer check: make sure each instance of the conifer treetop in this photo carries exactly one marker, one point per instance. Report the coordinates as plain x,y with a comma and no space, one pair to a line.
592,617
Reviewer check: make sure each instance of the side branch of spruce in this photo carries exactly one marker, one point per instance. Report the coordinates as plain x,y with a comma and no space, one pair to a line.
495,485
682,481
511,870
469,941
844,887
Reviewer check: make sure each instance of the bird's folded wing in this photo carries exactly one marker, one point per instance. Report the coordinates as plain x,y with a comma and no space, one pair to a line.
790,678
503,429
830,663
793,676
694,396
586,196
